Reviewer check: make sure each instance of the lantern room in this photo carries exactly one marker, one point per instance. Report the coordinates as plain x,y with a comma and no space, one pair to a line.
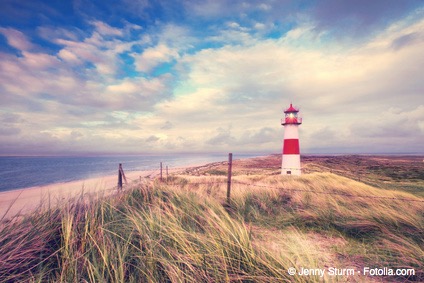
291,117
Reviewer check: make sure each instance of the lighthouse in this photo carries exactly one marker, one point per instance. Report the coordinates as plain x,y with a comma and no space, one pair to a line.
291,153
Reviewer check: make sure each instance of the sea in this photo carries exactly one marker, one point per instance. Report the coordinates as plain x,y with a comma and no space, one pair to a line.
17,172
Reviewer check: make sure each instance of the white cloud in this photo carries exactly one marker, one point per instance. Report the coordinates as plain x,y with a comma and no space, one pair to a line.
264,7
215,99
69,56
101,48
260,26
176,37
124,87
50,32
141,87
38,61
154,56
16,39
248,87
105,29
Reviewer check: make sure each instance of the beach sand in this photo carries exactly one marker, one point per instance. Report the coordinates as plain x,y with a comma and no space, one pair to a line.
22,201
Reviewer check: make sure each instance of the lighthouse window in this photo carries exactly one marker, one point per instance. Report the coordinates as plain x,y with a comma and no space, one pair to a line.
288,172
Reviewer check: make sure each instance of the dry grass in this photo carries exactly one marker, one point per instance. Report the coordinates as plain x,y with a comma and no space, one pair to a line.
183,230
378,228
148,234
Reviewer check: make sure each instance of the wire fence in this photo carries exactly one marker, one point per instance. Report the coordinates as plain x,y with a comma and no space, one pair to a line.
328,193
154,173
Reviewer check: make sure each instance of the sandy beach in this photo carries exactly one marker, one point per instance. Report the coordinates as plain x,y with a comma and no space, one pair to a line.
21,201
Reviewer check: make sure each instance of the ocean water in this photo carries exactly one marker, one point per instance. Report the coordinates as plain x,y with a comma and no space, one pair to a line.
23,172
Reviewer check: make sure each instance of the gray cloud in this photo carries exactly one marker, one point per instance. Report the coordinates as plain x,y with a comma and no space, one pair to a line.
324,136
152,139
9,131
10,118
260,137
392,123
168,125
407,39
222,137
359,17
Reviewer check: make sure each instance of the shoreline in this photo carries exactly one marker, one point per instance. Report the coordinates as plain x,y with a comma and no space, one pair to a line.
16,202
19,201
142,173
55,169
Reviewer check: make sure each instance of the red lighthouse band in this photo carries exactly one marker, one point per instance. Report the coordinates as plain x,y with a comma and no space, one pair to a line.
290,164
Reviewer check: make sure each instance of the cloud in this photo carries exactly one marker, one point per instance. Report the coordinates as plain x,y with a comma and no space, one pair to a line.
154,56
81,79
69,56
137,93
359,17
137,6
248,86
16,39
54,32
210,8
322,138
407,40
24,76
168,125
152,139
6,131
126,86
101,49
123,84
198,108
105,29
393,123
260,137
222,137
76,135
10,118
38,61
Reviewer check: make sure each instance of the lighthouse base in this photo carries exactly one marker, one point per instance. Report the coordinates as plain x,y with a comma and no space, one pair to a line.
291,164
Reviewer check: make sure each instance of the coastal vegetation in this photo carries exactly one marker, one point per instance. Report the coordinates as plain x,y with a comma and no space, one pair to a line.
183,229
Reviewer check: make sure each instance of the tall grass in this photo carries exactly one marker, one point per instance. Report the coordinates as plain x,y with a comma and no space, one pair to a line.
184,231
392,230
149,234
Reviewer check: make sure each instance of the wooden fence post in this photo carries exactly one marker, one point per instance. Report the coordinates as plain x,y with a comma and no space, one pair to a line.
167,173
161,171
120,177
230,164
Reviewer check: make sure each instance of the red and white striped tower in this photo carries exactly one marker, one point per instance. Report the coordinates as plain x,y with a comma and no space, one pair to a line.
291,153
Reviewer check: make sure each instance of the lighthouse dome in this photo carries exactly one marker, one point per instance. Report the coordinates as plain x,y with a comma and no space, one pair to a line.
291,109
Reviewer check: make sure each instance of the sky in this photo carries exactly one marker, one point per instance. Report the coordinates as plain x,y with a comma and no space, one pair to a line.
146,77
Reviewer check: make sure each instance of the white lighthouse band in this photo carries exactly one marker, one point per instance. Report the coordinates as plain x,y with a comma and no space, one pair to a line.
291,151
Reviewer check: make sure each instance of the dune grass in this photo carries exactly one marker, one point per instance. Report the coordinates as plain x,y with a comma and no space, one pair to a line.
184,231
145,235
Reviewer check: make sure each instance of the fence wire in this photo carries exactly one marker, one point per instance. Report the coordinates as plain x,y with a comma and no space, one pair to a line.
326,193
178,170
